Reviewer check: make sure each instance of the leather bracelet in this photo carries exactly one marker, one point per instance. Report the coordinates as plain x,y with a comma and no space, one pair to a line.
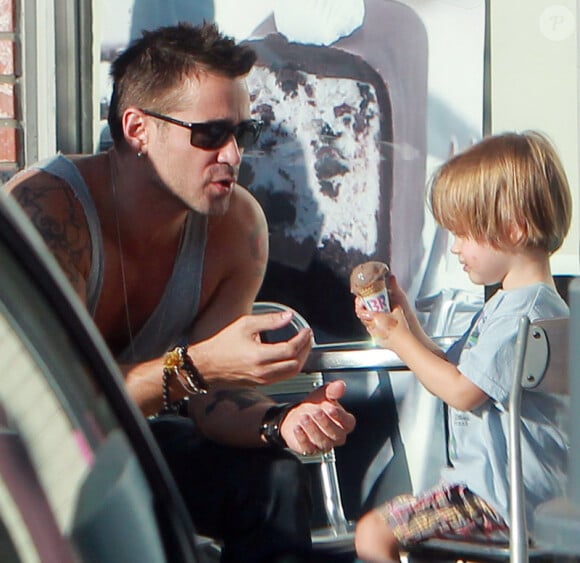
179,363
271,422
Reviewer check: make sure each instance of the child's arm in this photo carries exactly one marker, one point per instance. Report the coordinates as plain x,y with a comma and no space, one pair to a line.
398,298
438,376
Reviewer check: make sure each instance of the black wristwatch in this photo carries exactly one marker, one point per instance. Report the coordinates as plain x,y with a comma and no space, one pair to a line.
270,425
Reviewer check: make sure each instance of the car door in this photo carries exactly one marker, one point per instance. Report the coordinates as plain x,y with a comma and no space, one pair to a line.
81,478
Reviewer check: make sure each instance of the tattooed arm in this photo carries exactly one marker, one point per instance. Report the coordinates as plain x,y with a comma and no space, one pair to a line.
224,341
233,416
59,219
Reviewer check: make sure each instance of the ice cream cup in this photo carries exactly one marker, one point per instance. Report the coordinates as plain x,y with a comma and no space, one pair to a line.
375,297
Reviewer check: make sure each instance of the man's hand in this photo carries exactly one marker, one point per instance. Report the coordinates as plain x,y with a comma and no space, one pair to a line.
318,423
236,355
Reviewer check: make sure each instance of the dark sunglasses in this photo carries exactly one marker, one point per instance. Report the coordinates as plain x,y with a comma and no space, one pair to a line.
215,134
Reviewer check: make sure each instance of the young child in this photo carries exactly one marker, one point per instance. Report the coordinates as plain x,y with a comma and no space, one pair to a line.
507,202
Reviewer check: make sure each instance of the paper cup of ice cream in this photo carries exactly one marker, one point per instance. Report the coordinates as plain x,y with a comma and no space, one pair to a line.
369,282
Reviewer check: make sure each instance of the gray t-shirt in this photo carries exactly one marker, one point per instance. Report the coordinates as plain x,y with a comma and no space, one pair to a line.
478,439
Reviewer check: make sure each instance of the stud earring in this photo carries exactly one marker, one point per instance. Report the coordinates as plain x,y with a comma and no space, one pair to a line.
140,154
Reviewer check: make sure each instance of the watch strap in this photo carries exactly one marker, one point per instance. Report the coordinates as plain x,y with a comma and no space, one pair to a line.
271,423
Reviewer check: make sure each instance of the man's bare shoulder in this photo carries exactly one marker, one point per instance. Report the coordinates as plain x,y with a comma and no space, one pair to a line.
246,208
59,218
245,222
241,235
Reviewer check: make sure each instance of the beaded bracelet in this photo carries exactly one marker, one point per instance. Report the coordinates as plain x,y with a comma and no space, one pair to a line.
179,363
168,407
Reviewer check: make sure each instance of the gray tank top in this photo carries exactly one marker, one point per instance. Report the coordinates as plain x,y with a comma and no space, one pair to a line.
172,320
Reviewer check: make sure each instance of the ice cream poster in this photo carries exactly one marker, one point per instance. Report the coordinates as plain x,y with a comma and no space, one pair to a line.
360,100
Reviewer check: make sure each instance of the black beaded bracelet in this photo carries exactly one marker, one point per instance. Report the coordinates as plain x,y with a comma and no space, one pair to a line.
179,363
168,407
271,422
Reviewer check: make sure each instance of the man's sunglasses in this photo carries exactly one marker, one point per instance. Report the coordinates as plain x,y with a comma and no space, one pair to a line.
213,135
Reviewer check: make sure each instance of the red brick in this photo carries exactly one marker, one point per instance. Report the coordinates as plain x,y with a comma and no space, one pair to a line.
7,101
6,57
8,144
7,15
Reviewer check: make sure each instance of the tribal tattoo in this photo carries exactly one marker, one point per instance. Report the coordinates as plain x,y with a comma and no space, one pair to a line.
62,232
241,398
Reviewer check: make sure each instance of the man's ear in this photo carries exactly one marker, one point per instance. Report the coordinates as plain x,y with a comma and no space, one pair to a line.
135,129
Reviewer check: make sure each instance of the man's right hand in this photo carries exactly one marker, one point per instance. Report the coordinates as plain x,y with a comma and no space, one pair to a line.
236,354
319,422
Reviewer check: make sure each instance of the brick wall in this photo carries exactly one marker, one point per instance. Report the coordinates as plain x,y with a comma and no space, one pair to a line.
10,131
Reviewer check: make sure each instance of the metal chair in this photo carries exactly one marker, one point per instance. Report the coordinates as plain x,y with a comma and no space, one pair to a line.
340,531
332,358
557,522
541,358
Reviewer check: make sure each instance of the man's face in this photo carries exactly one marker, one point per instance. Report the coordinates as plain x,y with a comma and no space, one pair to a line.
203,179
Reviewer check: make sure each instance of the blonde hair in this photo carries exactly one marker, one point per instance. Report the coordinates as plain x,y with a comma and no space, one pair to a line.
508,190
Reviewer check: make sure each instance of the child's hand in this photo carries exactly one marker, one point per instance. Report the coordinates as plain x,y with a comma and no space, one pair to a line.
363,314
385,328
397,296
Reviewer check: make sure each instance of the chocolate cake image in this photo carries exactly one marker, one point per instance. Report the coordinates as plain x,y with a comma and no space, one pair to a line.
322,171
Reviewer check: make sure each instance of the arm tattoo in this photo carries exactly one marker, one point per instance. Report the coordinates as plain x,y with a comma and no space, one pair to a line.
62,233
241,398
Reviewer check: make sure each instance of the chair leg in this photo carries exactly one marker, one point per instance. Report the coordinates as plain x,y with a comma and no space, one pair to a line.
332,498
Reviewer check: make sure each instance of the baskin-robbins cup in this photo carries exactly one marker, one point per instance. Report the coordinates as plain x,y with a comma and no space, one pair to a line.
369,281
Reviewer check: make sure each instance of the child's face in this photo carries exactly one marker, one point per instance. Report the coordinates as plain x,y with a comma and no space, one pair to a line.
484,264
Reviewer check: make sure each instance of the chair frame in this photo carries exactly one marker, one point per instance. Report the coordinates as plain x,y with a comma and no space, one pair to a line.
541,365
557,522
326,359
303,383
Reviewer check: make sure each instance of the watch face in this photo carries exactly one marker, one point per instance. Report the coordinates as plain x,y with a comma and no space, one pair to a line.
265,434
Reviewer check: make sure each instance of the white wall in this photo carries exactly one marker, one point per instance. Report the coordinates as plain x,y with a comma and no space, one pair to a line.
534,85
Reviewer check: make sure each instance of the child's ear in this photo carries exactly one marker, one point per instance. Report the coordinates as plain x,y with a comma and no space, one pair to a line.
517,234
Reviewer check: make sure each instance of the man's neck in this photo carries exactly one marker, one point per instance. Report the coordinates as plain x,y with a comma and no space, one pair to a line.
147,214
